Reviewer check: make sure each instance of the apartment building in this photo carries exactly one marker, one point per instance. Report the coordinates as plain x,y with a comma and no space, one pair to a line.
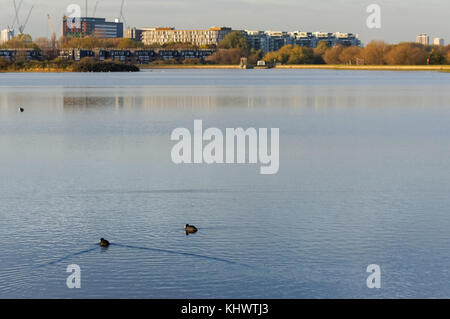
136,33
6,35
423,39
438,41
274,40
212,36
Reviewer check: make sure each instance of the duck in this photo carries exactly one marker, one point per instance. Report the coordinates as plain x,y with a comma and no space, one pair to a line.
21,109
190,229
104,242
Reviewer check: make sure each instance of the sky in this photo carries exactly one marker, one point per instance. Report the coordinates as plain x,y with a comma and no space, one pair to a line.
401,20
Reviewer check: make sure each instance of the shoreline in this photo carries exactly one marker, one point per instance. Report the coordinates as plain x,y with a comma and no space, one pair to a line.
187,66
443,68
435,68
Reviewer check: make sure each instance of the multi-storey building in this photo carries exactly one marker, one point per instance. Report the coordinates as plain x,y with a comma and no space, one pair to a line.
304,39
6,35
438,41
277,39
346,39
136,33
258,40
95,27
423,39
273,40
212,36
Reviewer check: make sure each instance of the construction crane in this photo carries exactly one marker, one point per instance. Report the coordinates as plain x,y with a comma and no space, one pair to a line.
22,27
121,17
17,20
16,9
95,8
53,36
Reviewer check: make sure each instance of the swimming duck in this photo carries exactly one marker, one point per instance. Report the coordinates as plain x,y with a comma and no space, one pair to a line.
190,229
104,242
21,109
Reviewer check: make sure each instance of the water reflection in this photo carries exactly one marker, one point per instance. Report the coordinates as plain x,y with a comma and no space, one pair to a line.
321,101
83,102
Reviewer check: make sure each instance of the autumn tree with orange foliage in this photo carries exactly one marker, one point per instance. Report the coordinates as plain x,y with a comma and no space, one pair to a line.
374,52
406,54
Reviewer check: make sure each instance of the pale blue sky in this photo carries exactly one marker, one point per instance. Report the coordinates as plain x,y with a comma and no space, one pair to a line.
402,20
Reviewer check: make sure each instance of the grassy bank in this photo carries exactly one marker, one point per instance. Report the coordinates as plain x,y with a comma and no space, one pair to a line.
187,66
119,67
444,68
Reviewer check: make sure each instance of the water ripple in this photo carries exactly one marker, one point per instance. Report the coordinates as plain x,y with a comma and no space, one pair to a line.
85,251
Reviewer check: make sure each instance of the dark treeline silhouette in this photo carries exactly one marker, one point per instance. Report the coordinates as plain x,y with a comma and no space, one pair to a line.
91,65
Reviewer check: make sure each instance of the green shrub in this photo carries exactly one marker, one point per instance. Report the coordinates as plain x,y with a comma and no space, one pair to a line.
91,65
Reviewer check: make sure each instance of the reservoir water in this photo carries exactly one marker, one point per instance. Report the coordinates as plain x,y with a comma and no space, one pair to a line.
364,179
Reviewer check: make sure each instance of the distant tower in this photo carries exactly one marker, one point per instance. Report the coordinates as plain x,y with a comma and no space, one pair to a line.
438,41
6,35
423,39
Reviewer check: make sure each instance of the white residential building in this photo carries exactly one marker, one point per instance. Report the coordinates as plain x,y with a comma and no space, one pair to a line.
438,41
423,39
213,35
6,35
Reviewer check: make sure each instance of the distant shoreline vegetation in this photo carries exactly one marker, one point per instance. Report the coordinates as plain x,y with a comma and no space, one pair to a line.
91,65
60,65
230,53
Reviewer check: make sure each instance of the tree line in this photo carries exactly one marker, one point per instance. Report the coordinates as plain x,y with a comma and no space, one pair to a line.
235,46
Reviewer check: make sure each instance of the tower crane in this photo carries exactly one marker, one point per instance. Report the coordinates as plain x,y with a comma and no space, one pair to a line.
22,27
16,16
121,17
53,36
95,8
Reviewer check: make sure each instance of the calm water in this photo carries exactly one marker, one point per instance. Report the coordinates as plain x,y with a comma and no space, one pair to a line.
364,179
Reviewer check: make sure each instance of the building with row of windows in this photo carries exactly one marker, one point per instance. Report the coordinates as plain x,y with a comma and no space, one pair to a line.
136,33
425,40
95,27
211,36
139,56
268,41
6,35
259,40
22,54
438,41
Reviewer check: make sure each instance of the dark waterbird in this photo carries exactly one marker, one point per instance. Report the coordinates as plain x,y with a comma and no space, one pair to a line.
104,242
190,229
21,109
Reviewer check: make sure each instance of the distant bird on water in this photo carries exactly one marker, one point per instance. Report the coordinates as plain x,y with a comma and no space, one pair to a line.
21,109
190,229
104,242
